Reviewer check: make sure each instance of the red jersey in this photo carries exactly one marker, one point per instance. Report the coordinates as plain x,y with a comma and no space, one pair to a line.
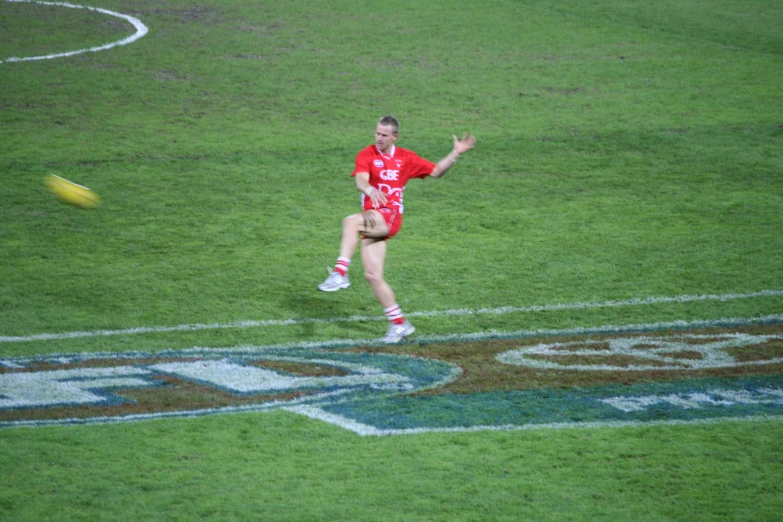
390,172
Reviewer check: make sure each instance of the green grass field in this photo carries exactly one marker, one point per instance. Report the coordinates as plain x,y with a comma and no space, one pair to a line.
626,151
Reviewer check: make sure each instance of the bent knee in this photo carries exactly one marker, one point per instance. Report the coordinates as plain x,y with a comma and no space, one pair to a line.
353,221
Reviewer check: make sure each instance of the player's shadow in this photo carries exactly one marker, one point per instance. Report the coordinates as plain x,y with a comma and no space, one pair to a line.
315,310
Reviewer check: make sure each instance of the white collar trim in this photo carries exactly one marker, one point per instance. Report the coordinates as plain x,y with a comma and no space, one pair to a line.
390,155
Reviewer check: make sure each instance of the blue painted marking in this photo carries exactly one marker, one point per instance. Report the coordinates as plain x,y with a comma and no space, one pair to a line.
691,399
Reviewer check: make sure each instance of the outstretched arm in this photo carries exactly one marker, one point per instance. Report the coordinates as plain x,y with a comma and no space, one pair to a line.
460,147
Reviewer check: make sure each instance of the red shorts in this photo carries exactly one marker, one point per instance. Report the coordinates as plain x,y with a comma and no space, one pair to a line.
393,219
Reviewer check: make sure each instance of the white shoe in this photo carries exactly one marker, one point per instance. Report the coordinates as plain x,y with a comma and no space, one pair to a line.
334,282
397,332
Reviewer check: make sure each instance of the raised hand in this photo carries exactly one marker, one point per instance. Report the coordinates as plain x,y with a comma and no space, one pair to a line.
465,144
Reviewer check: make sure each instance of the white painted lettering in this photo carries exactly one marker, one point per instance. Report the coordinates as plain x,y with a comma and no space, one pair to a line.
62,387
690,401
252,379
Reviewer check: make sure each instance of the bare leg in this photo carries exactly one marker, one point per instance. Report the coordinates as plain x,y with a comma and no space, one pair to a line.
369,223
373,258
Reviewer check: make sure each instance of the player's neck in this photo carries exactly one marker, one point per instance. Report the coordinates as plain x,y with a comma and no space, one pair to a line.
388,152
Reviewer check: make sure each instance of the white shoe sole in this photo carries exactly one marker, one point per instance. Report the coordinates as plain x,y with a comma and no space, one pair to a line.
334,288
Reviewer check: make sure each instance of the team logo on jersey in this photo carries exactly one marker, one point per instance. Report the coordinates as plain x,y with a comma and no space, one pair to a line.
389,190
378,163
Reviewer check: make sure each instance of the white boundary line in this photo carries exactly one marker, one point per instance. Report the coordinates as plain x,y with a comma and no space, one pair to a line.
725,322
351,319
141,30
365,430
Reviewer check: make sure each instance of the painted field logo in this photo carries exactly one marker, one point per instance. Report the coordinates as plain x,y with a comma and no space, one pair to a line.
677,352
88,388
608,377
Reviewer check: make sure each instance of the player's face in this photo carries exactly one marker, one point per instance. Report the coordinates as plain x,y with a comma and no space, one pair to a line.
384,137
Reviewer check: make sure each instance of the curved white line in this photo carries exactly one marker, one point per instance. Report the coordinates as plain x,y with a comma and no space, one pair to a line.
141,30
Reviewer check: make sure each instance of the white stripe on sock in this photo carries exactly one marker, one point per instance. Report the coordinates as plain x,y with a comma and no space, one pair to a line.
393,312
